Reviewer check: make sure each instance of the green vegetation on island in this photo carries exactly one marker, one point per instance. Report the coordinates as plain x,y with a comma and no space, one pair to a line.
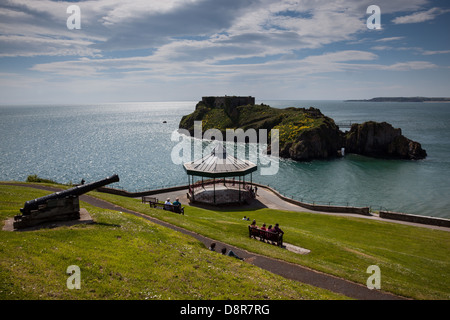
290,121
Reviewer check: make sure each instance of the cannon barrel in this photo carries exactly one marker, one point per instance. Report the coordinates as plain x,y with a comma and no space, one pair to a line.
72,192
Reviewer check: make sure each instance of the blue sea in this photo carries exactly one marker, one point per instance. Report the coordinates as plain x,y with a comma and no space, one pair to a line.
67,143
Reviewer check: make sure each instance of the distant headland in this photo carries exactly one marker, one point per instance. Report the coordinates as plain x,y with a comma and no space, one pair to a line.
402,99
304,134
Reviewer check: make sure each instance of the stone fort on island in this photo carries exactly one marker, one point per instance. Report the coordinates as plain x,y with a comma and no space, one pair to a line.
227,102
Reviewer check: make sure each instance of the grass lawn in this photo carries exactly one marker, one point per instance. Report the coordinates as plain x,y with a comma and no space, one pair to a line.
414,261
125,257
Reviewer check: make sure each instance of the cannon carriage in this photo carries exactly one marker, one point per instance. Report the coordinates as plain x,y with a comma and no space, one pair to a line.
58,206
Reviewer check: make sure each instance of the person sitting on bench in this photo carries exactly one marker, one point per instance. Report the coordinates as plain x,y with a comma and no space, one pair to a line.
167,205
277,229
177,205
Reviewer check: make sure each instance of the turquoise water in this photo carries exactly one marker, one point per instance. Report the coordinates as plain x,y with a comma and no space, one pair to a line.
68,143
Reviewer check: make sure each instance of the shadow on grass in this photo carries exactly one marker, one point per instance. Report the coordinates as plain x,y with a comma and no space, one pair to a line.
251,205
107,224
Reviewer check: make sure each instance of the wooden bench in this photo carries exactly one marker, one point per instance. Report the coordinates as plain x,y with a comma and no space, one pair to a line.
168,207
265,235
147,199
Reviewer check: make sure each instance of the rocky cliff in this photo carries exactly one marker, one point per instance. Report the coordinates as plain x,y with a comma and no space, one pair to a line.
381,140
307,134
321,142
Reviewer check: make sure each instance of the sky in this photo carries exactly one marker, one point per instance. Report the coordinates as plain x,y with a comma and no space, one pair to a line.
181,50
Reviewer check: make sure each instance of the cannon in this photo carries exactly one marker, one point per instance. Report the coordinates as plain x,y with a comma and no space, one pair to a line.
58,206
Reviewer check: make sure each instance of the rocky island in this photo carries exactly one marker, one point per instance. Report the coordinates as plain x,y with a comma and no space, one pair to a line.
304,133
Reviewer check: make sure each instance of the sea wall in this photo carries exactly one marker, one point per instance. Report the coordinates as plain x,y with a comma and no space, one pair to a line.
125,193
415,218
315,207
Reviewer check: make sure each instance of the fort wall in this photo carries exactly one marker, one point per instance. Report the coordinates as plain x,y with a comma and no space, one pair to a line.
227,102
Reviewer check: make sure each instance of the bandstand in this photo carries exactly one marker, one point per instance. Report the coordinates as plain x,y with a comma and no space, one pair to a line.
218,184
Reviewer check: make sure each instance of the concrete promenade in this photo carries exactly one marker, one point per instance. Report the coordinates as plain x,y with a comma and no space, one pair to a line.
265,198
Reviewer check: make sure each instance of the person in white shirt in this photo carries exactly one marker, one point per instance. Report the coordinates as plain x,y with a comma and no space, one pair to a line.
167,205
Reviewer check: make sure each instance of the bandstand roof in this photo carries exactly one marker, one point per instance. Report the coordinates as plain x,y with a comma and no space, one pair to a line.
219,164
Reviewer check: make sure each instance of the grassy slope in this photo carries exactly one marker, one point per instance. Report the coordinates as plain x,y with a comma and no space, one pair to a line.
125,257
414,261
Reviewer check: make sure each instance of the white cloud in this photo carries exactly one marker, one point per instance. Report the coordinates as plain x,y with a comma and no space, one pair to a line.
397,48
410,65
431,52
29,46
420,16
390,39
204,43
155,67
115,25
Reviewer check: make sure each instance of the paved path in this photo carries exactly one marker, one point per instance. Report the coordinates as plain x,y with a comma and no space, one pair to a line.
267,199
282,268
285,269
